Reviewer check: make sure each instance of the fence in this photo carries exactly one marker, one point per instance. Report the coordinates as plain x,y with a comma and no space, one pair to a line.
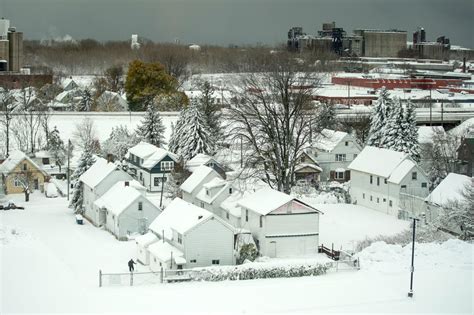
145,278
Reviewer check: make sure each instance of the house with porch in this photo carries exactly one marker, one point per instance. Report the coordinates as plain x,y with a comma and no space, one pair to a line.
189,237
128,210
150,165
97,180
334,151
281,225
383,180
308,168
19,172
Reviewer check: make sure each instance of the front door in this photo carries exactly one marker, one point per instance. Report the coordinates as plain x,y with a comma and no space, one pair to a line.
272,249
36,184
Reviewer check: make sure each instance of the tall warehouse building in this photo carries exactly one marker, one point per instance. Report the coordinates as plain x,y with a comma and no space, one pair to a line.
11,47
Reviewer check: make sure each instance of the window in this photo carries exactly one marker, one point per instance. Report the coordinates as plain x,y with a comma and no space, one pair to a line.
261,221
339,175
24,166
404,186
202,204
363,195
230,190
384,200
140,206
371,179
378,200
414,175
246,215
45,161
227,215
207,191
141,176
156,181
370,197
390,203
378,181
385,181
192,261
340,157
346,143
423,185
215,261
16,182
154,259
167,165
141,161
180,239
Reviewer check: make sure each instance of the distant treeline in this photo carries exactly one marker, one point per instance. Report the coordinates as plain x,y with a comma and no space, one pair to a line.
89,56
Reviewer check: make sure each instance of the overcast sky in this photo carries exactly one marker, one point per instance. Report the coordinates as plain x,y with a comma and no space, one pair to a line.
233,21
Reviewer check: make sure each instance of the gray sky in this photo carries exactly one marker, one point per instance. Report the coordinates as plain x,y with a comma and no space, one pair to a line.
233,21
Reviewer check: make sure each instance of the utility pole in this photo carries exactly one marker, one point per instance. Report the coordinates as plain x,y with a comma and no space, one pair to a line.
410,293
68,166
162,186
431,106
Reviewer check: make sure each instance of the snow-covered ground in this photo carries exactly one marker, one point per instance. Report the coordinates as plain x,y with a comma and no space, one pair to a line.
49,264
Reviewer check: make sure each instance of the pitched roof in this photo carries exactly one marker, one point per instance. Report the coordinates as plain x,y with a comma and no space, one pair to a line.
213,183
328,139
449,189
156,157
120,196
377,161
143,150
401,171
97,172
191,183
265,200
180,216
15,158
164,251
146,239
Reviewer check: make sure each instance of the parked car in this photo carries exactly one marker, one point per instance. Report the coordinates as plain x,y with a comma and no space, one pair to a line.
51,191
10,206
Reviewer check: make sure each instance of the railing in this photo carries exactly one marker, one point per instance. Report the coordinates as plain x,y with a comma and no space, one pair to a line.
330,252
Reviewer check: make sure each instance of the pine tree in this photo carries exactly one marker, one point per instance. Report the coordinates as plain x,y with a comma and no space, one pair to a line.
152,129
392,137
210,110
191,134
85,104
411,145
379,117
56,147
85,162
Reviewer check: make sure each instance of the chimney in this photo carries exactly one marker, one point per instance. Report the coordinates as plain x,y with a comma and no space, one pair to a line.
200,217
127,183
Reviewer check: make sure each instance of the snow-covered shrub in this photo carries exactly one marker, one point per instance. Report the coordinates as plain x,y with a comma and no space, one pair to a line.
247,252
251,271
424,234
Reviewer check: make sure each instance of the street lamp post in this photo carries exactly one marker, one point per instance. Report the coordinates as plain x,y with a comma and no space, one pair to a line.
410,293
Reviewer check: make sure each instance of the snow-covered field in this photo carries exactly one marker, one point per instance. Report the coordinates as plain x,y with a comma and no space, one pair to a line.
50,265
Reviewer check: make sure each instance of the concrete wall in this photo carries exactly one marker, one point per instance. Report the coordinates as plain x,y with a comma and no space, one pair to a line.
383,44
4,53
15,50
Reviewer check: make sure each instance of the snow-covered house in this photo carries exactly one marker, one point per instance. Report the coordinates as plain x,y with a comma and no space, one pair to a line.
381,178
308,168
334,151
213,193
194,183
280,224
465,154
19,171
97,180
143,242
209,161
190,237
449,190
151,165
69,84
112,102
46,161
127,209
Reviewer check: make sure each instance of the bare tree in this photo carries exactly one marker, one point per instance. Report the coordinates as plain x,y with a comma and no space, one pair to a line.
8,106
85,134
274,119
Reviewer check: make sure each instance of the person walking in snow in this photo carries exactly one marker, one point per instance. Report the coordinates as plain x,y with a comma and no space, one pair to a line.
130,265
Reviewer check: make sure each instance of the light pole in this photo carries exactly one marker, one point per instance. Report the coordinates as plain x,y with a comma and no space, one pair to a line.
410,293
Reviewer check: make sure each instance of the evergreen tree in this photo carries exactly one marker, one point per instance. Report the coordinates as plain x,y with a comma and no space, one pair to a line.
85,104
410,135
392,137
379,117
56,147
210,110
152,129
85,162
191,135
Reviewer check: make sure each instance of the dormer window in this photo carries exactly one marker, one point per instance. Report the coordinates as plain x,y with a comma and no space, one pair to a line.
207,191
140,206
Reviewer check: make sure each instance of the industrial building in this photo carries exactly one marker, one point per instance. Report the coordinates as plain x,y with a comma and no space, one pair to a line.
11,47
382,43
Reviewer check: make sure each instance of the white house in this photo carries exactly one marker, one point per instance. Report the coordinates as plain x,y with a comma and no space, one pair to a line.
334,151
194,183
127,209
213,193
381,179
190,237
151,165
449,190
280,224
97,180
143,242
209,161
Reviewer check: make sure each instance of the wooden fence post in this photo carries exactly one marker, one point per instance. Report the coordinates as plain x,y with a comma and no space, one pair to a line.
100,278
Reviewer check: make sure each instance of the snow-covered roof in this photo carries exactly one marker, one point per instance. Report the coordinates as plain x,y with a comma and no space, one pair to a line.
378,161
198,160
43,154
164,251
213,183
426,133
15,158
120,196
265,200
146,239
230,204
329,139
449,189
143,150
97,172
196,178
463,128
301,166
401,171
180,216
156,157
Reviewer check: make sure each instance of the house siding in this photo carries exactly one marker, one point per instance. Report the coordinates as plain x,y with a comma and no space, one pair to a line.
34,174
